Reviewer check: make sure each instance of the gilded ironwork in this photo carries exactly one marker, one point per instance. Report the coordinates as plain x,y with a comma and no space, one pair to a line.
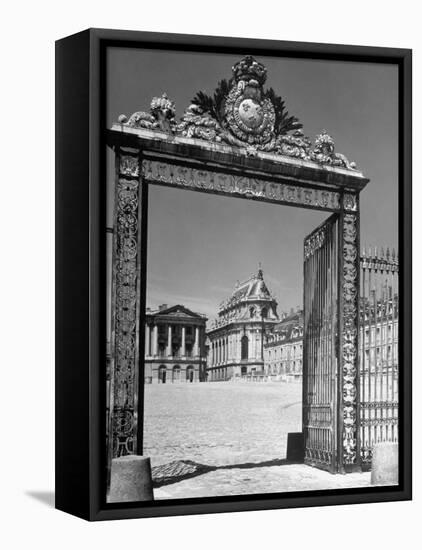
126,275
319,361
378,365
247,119
324,152
166,173
314,242
349,337
161,116
242,113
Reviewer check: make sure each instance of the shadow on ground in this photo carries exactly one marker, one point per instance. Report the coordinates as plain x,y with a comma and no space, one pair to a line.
45,497
179,470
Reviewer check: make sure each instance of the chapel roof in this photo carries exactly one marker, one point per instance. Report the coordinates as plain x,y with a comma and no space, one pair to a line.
253,288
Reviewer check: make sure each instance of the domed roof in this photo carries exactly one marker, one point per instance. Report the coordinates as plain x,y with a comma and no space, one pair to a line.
253,288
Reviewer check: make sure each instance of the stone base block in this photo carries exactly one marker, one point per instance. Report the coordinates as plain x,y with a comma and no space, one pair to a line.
130,479
295,447
385,464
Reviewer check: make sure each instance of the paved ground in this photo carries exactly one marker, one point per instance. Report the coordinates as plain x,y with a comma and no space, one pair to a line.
273,479
219,423
223,438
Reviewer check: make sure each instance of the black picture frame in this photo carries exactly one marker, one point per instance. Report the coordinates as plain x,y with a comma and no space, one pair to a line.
80,279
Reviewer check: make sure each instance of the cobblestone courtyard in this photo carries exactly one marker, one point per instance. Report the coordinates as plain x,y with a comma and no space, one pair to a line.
237,430
220,423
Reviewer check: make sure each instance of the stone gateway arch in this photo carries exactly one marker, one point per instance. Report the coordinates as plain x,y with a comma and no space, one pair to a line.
242,142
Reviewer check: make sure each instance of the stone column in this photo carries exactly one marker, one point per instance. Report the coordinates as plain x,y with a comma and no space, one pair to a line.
169,348
147,339
183,350
154,340
196,345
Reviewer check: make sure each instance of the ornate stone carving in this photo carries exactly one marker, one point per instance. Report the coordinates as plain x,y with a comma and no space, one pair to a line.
198,124
161,116
230,184
324,152
125,274
129,166
349,337
243,114
350,202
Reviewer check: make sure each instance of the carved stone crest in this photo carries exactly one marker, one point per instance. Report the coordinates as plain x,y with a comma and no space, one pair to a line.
243,113
250,115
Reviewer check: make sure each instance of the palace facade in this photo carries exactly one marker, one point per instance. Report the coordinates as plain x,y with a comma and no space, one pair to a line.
174,345
236,339
283,348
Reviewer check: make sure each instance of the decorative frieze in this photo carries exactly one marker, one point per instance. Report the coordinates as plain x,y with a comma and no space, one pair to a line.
166,173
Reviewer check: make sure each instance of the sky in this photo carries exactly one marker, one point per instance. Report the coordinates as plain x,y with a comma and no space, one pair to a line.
199,245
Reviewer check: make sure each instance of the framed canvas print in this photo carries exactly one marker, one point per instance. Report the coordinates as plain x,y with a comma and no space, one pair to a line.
233,274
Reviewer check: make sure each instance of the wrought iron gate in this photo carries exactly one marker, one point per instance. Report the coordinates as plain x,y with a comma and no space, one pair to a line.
319,346
379,313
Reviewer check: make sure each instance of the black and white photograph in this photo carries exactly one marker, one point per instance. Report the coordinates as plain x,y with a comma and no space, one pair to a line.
211,275
252,295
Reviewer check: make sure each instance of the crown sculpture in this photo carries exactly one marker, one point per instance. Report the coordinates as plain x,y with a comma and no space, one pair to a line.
244,114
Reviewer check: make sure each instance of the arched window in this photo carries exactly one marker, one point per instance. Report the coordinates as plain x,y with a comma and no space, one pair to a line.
189,374
245,347
162,374
251,312
264,313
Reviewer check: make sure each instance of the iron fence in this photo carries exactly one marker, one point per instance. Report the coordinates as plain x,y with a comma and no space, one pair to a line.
379,376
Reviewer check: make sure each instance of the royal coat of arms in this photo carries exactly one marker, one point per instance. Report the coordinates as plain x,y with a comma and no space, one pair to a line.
249,113
242,113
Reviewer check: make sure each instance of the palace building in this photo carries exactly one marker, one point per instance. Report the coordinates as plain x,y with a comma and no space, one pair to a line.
174,345
236,339
283,348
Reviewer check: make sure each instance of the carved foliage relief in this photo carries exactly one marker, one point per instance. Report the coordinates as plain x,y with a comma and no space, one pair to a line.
126,273
349,336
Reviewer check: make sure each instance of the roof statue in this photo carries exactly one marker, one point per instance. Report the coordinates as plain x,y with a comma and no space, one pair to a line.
244,114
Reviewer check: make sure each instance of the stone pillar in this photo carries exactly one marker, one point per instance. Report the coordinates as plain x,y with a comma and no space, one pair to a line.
147,339
183,350
169,346
130,479
196,345
154,340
